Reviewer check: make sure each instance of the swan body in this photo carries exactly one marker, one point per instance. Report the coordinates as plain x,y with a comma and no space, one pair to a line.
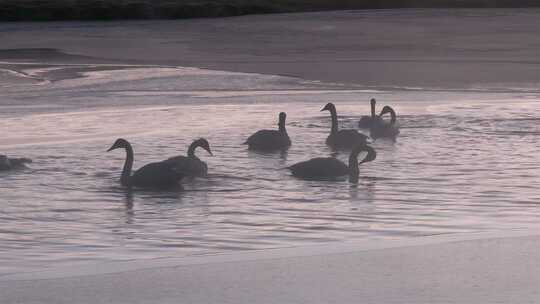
367,121
270,140
385,129
7,163
342,139
154,175
191,165
322,168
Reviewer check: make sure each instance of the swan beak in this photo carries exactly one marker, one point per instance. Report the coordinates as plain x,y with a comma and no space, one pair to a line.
210,152
112,148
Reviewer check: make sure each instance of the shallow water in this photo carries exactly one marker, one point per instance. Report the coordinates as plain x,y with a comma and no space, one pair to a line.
465,161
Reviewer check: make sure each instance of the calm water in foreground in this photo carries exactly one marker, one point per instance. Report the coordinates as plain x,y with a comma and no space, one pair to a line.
466,161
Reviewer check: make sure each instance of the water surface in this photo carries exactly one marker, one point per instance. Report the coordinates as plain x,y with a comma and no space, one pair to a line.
465,161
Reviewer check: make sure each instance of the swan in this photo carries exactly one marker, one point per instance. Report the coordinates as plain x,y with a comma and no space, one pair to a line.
342,139
270,140
367,121
7,163
384,129
323,168
154,175
191,165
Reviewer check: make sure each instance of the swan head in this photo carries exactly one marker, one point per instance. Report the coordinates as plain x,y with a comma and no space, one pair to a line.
119,143
373,102
387,109
203,143
371,154
329,107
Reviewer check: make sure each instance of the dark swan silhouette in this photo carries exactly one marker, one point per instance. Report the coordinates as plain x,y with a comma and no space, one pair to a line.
385,129
367,121
342,139
7,163
191,165
154,175
270,140
323,168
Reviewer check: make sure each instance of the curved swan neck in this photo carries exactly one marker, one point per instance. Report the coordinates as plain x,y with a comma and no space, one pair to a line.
128,165
393,117
192,147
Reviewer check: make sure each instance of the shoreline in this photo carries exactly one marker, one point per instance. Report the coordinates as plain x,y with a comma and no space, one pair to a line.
491,48
420,270
308,250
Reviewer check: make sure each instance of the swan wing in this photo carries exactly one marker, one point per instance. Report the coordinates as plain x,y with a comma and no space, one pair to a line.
158,174
268,139
321,167
189,166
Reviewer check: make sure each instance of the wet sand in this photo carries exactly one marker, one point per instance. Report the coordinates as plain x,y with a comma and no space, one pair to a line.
459,48
479,268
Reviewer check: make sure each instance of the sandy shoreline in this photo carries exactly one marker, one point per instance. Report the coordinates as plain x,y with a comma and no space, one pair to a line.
409,48
471,268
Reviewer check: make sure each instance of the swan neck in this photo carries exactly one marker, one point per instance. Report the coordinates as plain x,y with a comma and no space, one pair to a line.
373,110
392,117
333,114
282,128
128,165
191,149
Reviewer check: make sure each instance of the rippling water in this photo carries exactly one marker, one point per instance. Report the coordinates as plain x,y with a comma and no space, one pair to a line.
464,162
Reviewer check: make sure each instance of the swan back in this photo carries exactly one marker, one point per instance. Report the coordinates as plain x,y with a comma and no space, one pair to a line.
319,168
346,139
156,175
191,165
270,140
